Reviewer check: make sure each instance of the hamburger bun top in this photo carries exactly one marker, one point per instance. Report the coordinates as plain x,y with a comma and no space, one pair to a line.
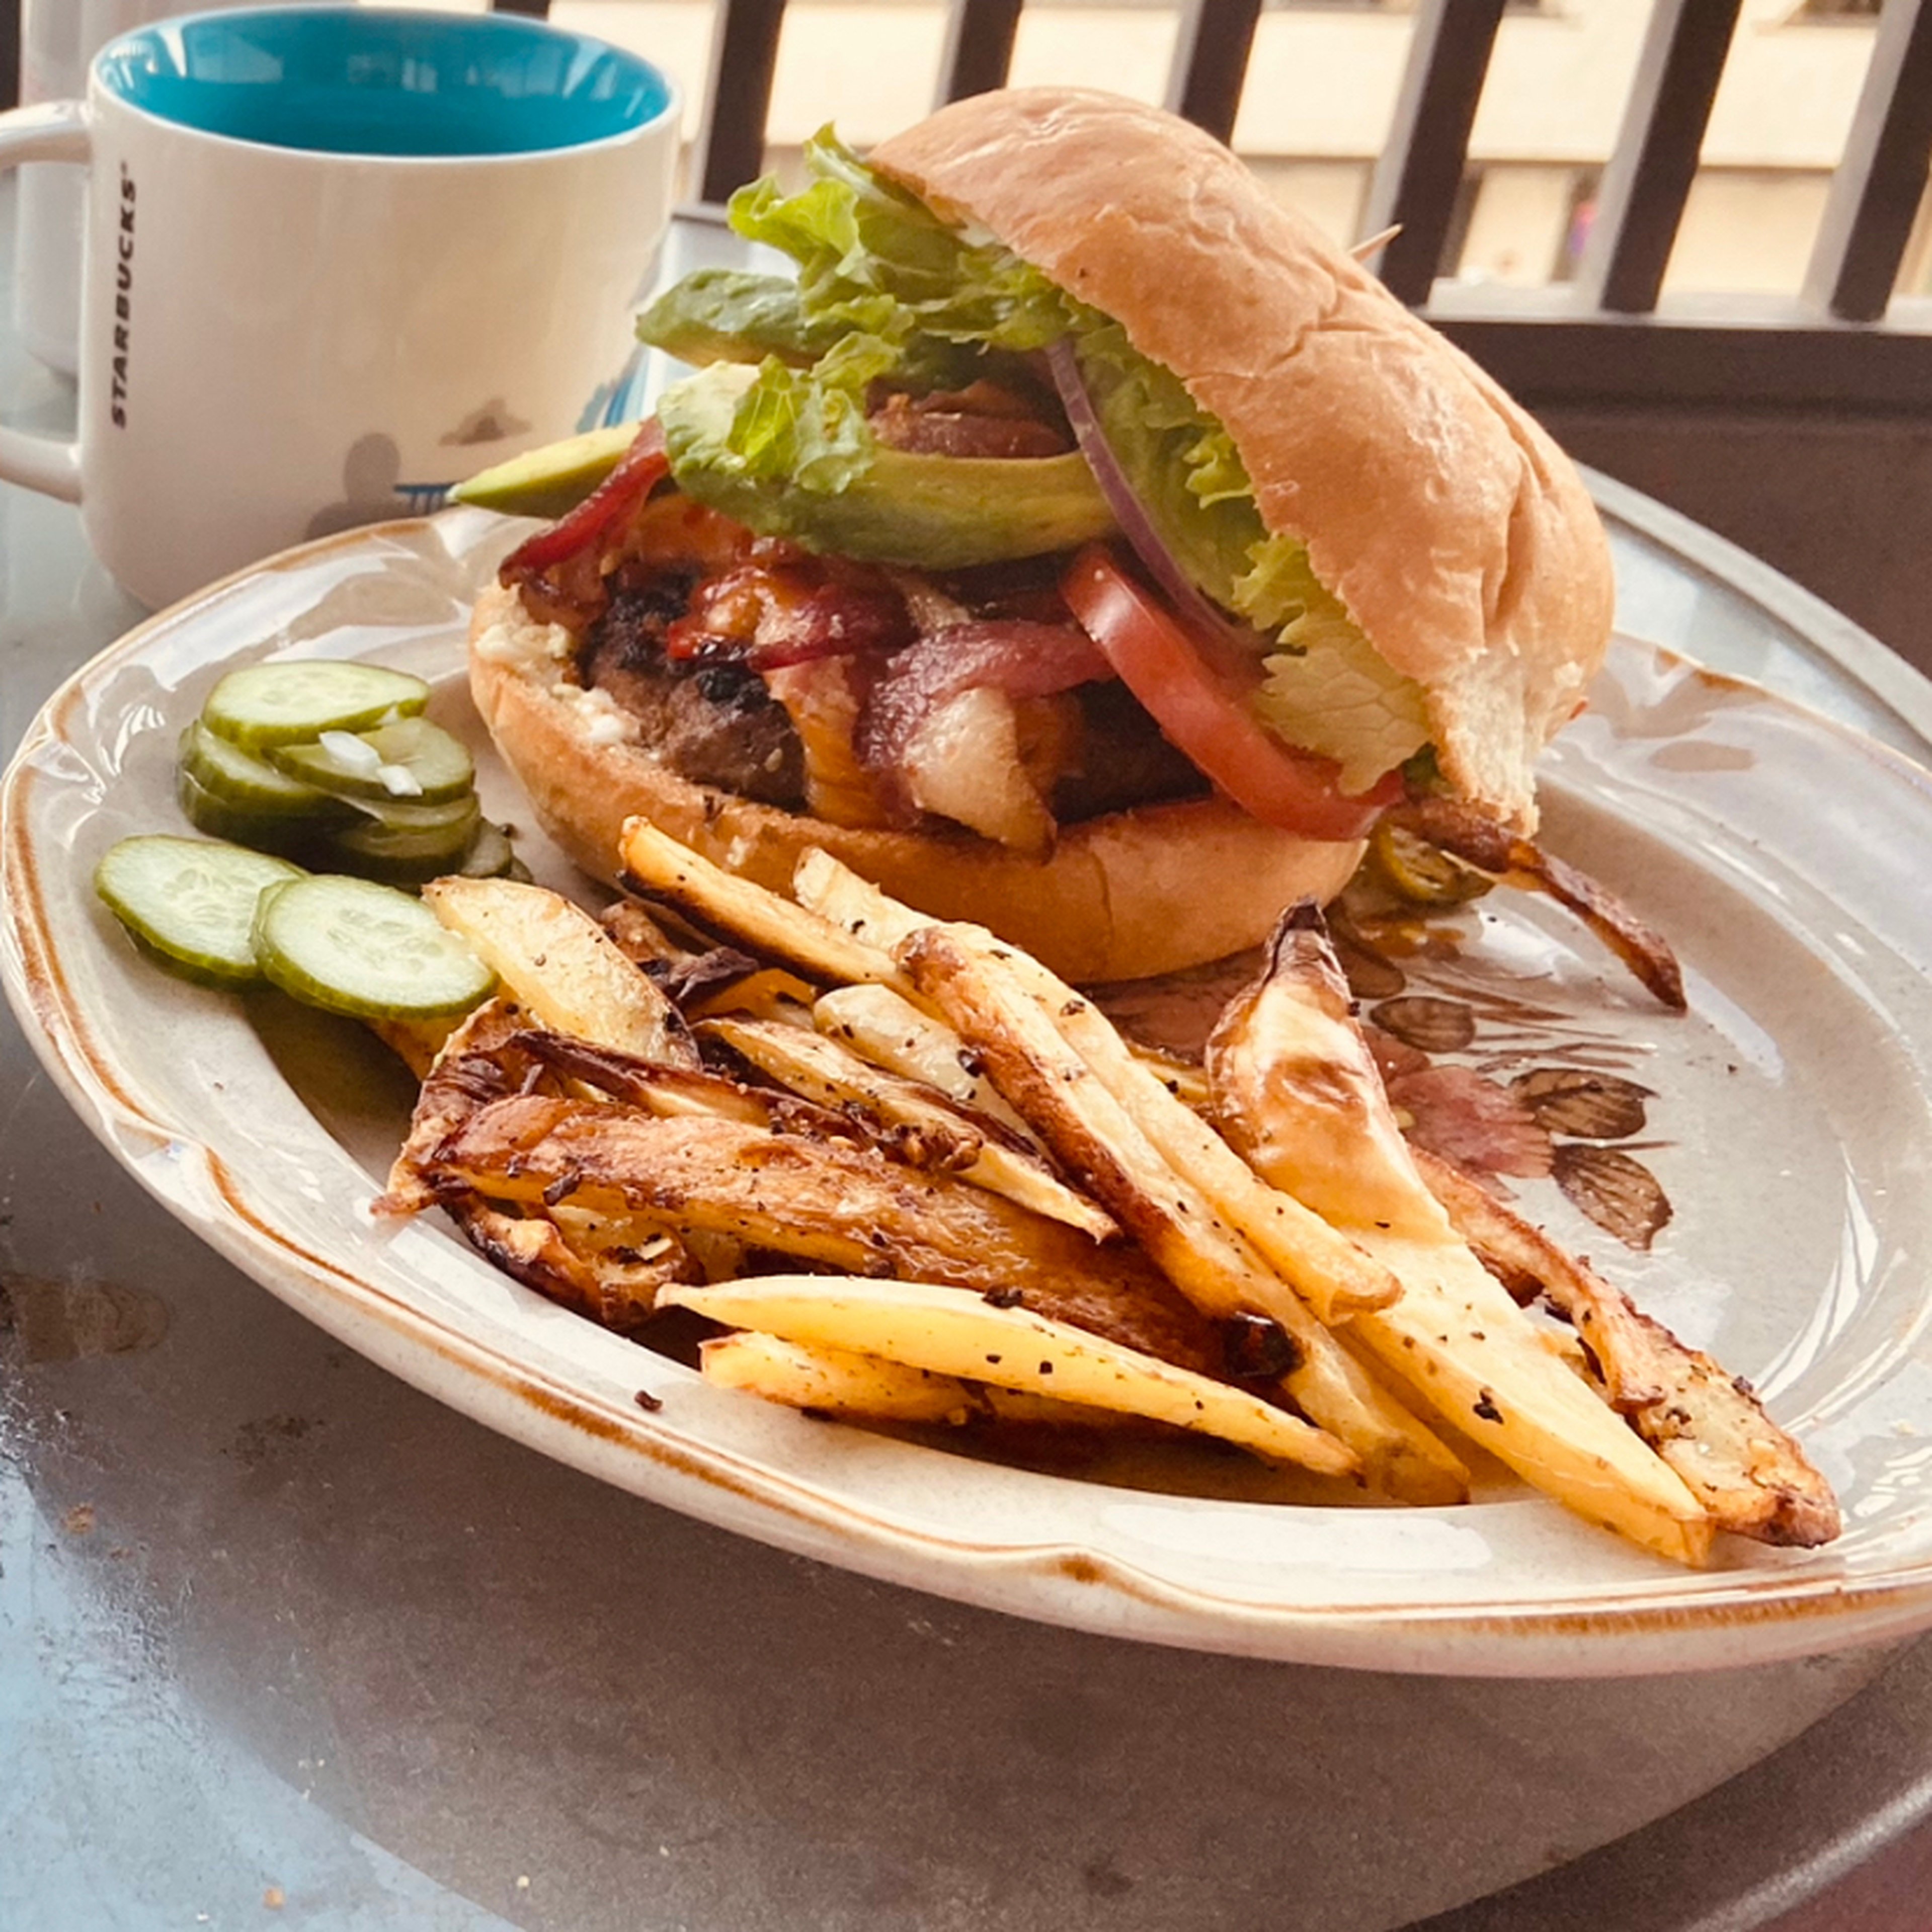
1454,530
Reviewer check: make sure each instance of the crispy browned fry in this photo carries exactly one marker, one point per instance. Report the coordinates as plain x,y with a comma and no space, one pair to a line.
1453,1337
476,1066
657,865
1751,1475
639,936
1104,1146
616,1285
819,1069
841,1206
1461,829
1009,997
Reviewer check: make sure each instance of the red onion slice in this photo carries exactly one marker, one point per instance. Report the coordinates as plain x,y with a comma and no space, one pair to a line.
1200,612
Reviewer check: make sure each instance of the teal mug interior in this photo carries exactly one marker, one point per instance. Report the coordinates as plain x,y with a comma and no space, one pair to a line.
360,80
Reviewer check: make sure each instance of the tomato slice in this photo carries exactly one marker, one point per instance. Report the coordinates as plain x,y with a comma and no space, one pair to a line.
1195,688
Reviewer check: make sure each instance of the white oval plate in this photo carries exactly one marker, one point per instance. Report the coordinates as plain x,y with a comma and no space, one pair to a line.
1788,1129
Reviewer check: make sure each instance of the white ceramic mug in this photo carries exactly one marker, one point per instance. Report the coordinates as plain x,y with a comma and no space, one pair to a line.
58,39
337,258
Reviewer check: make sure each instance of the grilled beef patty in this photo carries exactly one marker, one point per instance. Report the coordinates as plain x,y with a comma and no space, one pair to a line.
715,723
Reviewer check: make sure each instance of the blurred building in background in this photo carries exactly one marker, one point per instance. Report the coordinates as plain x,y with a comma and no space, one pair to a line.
1321,91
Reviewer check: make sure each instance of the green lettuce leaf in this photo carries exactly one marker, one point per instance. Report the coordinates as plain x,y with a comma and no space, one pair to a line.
726,315
1182,463
873,258
1334,694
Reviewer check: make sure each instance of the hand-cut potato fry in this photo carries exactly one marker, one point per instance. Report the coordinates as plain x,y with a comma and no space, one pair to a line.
771,993
669,1090
657,865
994,982
1453,1336
1105,1147
1748,1473
834,889
855,905
475,1065
561,966
1327,1269
1293,1091
613,1281
820,1069
1186,1082
1456,1337
926,1327
828,1202
879,1026
841,1381
416,1043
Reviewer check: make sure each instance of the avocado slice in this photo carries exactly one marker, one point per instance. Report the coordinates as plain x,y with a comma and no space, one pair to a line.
931,512
551,480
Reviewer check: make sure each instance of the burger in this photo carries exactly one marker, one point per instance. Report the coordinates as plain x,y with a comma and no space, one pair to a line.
1078,543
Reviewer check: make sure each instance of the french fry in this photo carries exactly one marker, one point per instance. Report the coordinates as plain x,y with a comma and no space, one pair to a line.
841,1381
951,1334
820,1069
771,993
822,883
855,905
658,866
1747,1471
828,1202
879,1026
561,966
993,982
1105,1147
614,1281
1454,1336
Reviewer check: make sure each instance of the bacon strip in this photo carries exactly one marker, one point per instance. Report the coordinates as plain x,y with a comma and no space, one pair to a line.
560,570
1021,658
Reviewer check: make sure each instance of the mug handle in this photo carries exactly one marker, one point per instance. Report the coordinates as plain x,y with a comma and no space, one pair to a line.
55,131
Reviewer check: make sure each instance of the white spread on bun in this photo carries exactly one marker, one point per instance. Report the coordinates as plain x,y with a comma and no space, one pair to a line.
1081,545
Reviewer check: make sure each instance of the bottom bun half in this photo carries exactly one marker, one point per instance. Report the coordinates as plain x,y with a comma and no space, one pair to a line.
1124,896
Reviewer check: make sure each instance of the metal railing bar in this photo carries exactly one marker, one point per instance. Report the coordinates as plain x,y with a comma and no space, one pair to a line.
1877,186
1211,62
1420,171
11,12
534,9
1784,369
979,51
1641,202
738,99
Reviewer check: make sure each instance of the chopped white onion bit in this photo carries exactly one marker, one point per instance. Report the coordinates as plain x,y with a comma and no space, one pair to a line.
352,753
399,782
